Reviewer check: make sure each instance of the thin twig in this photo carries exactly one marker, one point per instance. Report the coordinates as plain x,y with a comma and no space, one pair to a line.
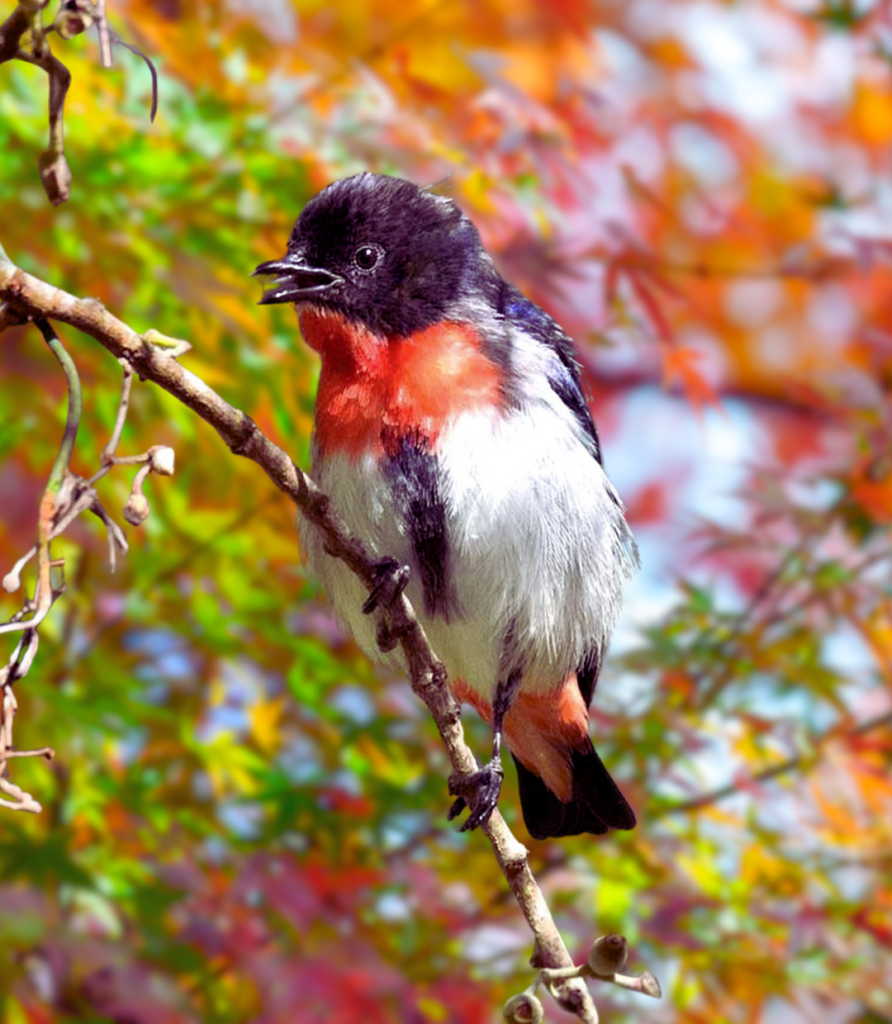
135,49
105,50
697,803
108,452
75,406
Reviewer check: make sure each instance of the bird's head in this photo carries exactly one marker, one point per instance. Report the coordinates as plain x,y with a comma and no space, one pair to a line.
382,252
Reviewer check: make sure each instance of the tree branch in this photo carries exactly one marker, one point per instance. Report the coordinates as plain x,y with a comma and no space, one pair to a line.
27,294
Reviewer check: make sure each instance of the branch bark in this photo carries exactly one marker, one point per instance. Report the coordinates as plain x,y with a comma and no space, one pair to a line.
29,296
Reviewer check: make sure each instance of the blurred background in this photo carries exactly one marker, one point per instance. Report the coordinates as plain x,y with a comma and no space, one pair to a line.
245,822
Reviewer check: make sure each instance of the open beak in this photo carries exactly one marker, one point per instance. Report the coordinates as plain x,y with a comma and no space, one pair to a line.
294,280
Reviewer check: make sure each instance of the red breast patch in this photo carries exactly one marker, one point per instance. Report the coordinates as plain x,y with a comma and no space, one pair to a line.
373,393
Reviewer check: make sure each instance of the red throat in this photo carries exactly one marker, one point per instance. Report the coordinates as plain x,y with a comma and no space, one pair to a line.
374,392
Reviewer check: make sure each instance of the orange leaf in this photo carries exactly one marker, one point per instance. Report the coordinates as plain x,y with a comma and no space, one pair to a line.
680,364
652,307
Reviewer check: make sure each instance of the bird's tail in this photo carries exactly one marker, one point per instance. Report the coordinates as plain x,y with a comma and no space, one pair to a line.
596,804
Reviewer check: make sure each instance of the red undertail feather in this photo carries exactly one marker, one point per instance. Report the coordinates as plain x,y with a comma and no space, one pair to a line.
565,789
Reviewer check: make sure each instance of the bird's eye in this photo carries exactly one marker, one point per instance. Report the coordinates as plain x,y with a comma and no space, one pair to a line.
367,257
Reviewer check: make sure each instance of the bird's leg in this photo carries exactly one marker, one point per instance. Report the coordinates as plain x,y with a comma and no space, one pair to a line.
480,791
390,579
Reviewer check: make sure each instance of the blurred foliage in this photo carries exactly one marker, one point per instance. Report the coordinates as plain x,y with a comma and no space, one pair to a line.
244,822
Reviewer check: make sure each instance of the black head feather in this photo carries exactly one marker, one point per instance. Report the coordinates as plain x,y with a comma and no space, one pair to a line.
400,257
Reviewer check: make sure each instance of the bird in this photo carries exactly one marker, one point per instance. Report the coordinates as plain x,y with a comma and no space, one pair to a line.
453,436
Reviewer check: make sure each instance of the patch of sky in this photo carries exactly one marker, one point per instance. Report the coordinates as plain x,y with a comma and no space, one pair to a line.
131,745
393,906
300,760
705,156
870,219
236,66
628,74
167,651
201,786
354,703
207,138
221,718
638,151
277,18
216,849
752,303
811,1009
732,43
244,679
346,780
243,820
701,460
241,683
793,707
399,829
832,314
252,207
154,690
494,946
845,651
815,493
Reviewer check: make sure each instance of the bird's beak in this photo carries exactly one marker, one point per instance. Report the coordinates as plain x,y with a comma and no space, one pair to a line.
294,280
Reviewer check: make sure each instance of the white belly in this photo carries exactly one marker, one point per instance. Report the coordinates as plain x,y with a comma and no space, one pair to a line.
538,547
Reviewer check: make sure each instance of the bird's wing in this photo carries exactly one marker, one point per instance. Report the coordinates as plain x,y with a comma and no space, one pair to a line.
563,374
414,474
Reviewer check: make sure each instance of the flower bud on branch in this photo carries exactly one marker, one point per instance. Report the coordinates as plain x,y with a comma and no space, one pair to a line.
608,955
525,1008
73,17
136,511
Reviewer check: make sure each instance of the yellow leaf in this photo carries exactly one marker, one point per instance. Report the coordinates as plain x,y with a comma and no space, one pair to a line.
432,1008
264,718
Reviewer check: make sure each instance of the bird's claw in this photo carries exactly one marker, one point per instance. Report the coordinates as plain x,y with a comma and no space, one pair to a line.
479,792
390,580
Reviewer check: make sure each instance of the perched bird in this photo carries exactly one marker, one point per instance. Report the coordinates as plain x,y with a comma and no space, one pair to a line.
453,435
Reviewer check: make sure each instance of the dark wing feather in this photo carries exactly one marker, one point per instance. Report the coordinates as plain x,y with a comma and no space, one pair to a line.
414,474
566,379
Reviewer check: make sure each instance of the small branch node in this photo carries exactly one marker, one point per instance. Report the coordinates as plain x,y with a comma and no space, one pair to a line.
173,347
247,428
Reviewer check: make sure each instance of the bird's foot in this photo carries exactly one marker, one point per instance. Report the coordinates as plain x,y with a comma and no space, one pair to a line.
479,792
390,580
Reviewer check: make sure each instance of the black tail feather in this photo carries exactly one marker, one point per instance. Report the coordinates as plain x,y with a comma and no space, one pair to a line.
597,803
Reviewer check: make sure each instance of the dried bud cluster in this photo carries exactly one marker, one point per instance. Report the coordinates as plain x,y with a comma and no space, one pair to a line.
55,175
161,460
136,511
73,17
608,955
524,1009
